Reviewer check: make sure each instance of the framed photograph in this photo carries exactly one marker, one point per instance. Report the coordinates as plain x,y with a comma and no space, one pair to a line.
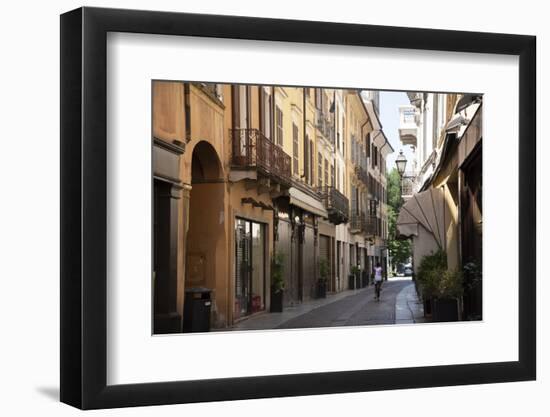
257,208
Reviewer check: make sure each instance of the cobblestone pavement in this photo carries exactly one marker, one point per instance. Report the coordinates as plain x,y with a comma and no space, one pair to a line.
354,310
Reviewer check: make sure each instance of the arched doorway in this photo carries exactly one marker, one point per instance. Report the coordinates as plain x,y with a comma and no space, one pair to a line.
206,251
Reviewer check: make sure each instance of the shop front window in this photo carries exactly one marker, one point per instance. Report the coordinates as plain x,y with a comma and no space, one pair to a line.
249,267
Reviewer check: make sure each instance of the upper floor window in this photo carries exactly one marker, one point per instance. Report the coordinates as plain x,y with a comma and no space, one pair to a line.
266,111
279,126
319,170
295,144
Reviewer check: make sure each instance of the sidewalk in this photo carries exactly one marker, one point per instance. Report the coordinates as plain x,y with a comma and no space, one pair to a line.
267,320
408,308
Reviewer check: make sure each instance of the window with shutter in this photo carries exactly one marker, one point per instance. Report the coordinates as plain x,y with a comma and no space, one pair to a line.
326,172
306,158
367,138
266,111
319,169
352,149
295,145
311,166
279,124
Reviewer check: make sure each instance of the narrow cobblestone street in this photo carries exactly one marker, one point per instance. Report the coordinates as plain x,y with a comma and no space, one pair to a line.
355,310
398,305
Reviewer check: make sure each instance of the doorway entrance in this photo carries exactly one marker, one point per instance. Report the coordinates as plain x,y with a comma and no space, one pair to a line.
250,288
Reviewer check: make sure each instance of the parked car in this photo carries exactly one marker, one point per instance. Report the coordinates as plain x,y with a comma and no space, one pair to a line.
408,271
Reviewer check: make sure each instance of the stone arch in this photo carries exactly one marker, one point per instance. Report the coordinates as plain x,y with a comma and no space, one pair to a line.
205,163
206,236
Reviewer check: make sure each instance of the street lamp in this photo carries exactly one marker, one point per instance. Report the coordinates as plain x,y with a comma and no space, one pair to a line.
401,163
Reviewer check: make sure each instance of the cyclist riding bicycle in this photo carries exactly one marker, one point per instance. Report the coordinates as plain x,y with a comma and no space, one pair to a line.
377,281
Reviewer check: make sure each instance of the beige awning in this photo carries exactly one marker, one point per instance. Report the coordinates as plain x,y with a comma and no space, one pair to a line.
307,202
425,209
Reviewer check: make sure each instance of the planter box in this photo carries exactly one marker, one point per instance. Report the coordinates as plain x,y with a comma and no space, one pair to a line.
276,305
427,307
444,309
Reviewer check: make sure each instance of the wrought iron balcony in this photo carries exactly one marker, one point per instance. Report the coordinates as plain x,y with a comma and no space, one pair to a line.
325,125
336,203
357,222
408,185
252,150
372,225
364,223
408,129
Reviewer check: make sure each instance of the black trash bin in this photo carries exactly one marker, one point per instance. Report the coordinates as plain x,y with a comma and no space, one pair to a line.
196,313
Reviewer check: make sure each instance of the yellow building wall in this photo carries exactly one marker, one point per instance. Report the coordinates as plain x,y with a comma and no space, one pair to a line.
168,111
169,125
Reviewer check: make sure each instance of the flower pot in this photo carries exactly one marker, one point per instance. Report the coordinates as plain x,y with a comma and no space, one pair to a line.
276,301
321,289
427,307
444,309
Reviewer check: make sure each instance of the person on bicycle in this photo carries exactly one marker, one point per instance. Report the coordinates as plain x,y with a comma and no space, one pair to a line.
377,281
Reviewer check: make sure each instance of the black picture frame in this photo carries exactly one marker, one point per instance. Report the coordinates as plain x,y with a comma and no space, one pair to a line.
84,207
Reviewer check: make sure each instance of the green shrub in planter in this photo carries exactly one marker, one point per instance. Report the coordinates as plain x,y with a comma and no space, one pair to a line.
440,287
322,279
356,272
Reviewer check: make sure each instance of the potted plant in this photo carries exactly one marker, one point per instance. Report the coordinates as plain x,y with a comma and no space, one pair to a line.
322,279
441,288
277,283
448,293
355,273
430,268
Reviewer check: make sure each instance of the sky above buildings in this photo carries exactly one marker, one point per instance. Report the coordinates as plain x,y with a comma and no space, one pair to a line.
389,117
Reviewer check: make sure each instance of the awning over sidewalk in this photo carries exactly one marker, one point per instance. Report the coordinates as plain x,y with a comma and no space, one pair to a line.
427,210
300,199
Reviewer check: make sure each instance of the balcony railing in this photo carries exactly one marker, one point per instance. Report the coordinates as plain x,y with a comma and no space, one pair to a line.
252,150
325,125
336,204
372,225
408,185
364,223
357,222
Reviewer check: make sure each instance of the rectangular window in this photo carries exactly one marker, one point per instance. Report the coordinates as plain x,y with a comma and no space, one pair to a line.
326,172
368,142
319,169
311,166
265,112
250,265
306,158
353,149
295,145
279,124
187,102
318,98
332,176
